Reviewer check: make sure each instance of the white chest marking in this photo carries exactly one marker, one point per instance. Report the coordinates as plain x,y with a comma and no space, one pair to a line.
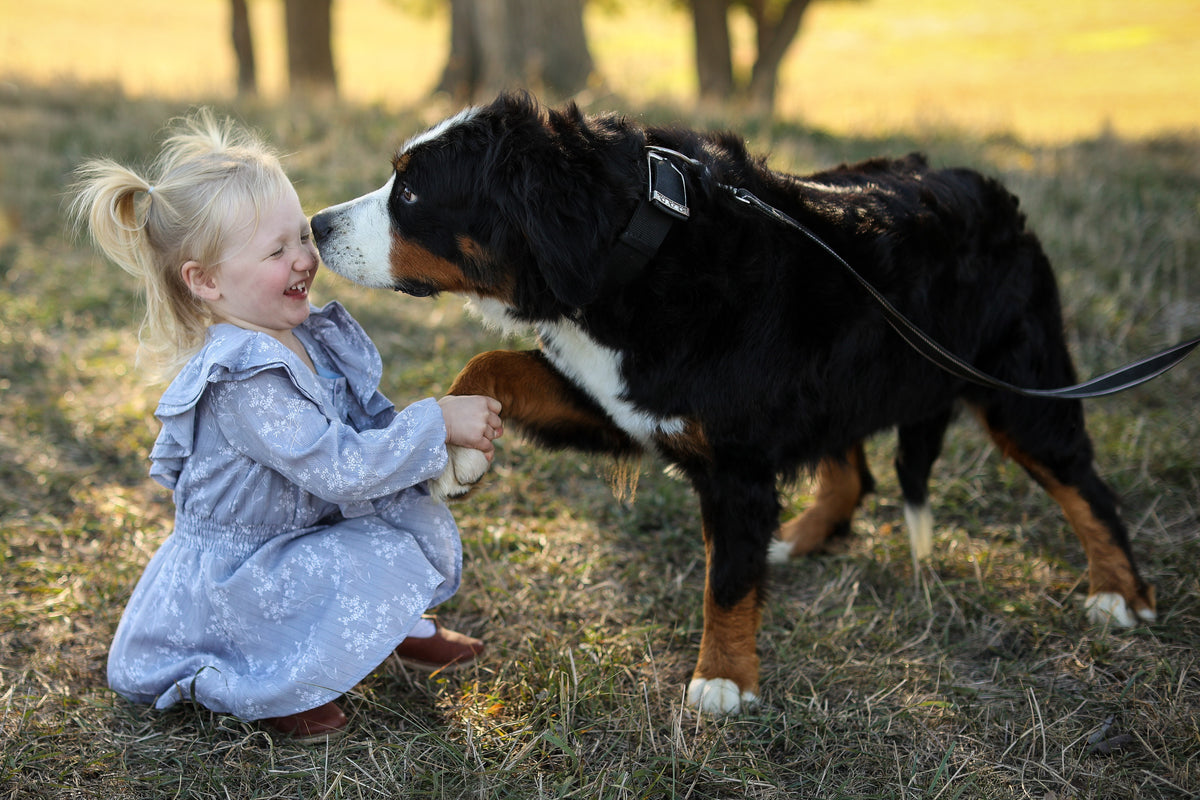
495,314
597,370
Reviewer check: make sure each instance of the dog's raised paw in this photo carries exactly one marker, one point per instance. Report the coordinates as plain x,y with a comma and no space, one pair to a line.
463,469
719,696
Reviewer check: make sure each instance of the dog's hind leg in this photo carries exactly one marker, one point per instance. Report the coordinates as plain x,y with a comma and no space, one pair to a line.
919,445
1048,439
841,485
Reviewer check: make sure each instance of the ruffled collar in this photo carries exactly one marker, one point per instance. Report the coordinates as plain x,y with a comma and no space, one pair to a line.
233,353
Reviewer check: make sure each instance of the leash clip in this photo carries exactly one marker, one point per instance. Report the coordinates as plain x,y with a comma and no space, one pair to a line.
739,194
666,189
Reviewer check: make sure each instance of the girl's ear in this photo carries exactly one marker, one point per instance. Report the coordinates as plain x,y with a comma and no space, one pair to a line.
200,281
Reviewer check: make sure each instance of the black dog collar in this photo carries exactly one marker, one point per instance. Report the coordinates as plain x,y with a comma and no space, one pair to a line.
665,201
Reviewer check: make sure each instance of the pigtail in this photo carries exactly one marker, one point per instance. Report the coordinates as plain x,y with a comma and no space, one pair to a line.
114,203
207,170
106,204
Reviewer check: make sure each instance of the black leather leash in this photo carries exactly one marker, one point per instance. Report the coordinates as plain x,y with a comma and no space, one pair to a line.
666,201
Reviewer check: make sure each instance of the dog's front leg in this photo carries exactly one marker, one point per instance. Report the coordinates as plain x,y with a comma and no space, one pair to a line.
538,402
739,518
726,676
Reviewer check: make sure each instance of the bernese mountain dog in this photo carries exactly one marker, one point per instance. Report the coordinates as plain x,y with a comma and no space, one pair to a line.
732,346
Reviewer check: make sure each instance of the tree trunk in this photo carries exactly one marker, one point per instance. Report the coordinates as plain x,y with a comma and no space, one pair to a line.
243,49
714,64
566,61
309,46
774,38
538,45
460,76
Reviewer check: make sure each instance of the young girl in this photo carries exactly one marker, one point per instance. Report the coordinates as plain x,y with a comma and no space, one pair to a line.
306,546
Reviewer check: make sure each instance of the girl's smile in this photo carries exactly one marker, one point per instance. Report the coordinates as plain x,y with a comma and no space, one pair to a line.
299,289
263,280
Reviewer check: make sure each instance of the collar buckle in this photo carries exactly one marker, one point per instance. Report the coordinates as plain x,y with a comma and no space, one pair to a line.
665,186
664,203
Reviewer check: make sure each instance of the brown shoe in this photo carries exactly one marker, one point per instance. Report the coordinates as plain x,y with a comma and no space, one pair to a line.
445,651
317,724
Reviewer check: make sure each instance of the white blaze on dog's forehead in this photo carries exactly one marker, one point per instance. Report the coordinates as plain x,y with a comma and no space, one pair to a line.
466,115
360,247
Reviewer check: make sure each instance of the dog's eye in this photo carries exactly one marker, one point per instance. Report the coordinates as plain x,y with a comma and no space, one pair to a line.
407,194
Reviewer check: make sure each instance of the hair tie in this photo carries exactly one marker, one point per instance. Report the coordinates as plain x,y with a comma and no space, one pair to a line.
149,190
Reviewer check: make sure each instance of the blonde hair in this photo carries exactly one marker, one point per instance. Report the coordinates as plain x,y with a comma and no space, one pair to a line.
209,175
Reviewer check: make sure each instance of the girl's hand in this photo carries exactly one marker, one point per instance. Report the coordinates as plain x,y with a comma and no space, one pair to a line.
472,421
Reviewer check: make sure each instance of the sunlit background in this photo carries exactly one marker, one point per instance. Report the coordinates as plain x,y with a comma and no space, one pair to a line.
1042,71
977,678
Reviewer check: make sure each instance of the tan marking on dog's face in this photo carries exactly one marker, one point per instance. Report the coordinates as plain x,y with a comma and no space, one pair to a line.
414,269
413,265
471,249
501,285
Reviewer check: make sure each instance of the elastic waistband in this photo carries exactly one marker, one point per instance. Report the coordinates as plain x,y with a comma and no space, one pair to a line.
231,538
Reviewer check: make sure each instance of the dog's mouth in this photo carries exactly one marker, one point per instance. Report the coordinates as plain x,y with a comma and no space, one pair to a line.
415,288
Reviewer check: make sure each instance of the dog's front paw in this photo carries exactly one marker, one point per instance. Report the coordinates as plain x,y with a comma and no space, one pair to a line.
719,696
464,468
1109,608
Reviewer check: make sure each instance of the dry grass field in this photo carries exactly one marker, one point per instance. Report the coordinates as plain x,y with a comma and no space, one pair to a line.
978,678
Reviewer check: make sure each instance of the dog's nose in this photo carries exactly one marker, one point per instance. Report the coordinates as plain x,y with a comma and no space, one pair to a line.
322,226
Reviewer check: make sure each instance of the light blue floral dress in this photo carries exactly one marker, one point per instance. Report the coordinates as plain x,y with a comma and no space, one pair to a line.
305,546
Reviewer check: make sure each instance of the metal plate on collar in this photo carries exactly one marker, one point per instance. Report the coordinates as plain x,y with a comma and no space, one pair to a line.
667,190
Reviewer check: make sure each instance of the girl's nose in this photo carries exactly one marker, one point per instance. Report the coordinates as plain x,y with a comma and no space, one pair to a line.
306,260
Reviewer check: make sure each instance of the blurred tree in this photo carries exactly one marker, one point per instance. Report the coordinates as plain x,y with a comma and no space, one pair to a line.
310,46
503,44
714,54
776,24
243,49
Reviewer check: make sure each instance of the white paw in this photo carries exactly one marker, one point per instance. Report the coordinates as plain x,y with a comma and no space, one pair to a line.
919,522
779,552
718,696
465,466
1110,608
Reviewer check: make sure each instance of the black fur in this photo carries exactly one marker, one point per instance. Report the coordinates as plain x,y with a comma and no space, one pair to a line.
747,329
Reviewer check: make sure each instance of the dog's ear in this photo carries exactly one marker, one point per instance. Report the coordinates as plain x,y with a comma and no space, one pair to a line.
560,227
559,200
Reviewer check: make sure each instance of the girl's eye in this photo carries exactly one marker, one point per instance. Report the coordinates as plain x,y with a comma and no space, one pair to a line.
407,194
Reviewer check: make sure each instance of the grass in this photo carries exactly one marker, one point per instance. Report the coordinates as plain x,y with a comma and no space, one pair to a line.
981,681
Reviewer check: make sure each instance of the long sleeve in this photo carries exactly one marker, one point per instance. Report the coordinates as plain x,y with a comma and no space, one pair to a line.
269,422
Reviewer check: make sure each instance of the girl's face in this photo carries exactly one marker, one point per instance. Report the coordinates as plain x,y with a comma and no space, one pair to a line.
262,282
